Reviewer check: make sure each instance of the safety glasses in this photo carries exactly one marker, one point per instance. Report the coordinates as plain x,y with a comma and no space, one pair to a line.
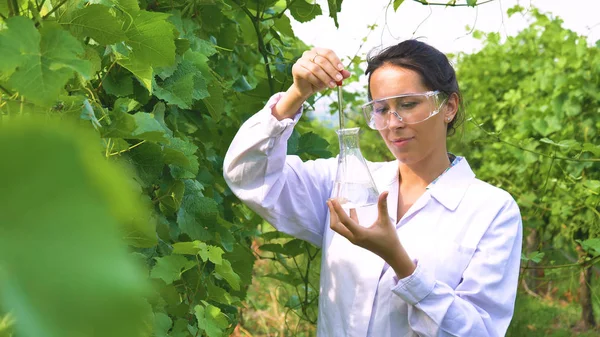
408,108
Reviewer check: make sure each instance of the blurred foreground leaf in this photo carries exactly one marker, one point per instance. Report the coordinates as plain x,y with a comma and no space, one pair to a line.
64,269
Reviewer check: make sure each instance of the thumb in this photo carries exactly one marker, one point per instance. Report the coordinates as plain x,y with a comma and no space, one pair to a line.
382,205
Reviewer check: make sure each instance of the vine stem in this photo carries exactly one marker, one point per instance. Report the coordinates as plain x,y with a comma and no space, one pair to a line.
280,14
261,43
583,264
127,149
423,2
55,8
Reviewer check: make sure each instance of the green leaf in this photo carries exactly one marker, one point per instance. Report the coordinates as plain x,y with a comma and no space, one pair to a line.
118,83
472,3
169,268
95,21
185,86
313,144
591,246
39,64
303,11
196,215
162,324
19,38
142,71
182,153
151,40
88,275
225,271
170,197
397,4
140,125
294,247
210,253
284,26
211,320
272,247
186,248
335,6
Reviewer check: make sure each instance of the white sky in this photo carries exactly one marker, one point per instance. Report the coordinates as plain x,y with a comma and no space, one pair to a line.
441,27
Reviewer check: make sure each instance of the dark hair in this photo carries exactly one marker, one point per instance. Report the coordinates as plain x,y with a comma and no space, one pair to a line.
433,66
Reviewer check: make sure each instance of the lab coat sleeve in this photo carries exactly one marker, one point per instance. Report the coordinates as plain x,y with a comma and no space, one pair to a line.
483,302
283,190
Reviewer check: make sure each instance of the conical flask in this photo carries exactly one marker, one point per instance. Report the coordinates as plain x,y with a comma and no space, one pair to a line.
353,187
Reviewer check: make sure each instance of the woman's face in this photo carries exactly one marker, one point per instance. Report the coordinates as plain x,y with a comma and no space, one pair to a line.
410,143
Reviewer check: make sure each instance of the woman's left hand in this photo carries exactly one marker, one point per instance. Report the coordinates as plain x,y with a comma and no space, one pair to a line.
380,238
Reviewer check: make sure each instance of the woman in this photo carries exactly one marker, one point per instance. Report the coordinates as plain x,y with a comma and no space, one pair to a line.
438,255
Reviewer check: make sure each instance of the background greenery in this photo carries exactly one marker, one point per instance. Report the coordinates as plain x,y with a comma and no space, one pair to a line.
115,117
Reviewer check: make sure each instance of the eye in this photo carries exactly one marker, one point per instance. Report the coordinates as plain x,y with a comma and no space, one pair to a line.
408,105
380,110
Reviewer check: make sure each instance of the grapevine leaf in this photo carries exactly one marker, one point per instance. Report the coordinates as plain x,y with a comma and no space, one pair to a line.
210,253
169,268
88,275
303,11
118,83
335,6
182,153
95,21
397,4
211,320
196,215
20,38
313,144
183,87
47,59
146,36
225,271
162,324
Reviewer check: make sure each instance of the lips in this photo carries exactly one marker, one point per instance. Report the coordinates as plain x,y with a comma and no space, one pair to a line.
401,141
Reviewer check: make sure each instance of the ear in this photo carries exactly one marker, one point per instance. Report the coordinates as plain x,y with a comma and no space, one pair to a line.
451,107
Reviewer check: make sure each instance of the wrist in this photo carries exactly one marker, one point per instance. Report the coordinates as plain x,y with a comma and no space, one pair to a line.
401,263
289,104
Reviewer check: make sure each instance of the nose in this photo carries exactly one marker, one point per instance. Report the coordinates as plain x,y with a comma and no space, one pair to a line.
395,121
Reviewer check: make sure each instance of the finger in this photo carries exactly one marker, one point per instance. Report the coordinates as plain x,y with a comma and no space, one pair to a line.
336,225
317,70
304,68
382,206
344,218
331,56
333,217
353,215
329,68
345,75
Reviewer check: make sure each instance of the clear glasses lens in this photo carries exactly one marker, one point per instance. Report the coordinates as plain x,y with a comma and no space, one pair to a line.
409,108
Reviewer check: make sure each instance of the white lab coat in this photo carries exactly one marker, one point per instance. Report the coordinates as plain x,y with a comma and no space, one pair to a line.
464,234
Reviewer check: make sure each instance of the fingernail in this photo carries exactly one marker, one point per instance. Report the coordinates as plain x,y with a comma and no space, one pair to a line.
339,77
332,84
340,66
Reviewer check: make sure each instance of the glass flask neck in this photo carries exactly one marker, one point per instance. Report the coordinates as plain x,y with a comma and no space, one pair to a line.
348,139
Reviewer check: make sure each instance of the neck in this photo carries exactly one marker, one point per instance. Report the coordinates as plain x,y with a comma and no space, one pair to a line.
422,173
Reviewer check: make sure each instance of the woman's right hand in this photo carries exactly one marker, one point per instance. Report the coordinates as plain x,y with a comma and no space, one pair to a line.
316,70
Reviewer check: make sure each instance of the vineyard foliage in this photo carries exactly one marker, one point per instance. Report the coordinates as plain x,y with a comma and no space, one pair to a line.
157,90
532,128
115,116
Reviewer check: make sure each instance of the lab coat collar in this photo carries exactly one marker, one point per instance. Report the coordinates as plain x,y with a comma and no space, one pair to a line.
451,187
448,190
